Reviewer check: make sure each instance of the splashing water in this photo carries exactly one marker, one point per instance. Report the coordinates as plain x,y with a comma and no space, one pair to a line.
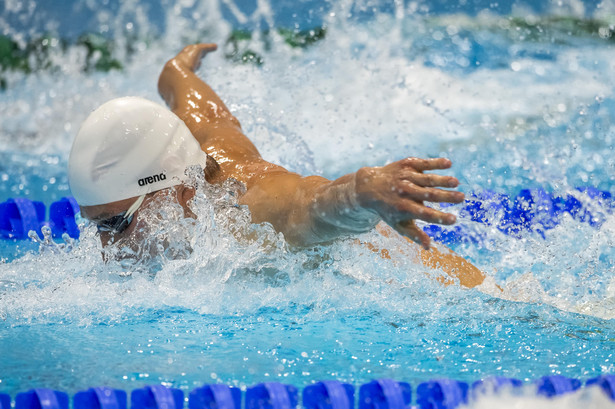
517,97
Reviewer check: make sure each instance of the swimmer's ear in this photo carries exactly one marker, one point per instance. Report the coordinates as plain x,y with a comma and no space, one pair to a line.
184,195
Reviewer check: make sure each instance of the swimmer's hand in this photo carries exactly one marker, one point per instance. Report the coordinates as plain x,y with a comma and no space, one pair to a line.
192,54
186,94
397,192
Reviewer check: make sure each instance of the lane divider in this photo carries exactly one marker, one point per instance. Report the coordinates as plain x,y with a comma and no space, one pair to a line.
328,395
385,394
532,210
100,398
554,385
377,394
216,396
5,401
442,393
19,216
42,398
271,395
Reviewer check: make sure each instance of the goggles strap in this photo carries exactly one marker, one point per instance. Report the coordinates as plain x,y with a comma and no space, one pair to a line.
132,209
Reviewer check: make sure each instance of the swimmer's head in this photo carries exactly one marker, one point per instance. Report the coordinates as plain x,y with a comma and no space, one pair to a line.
127,151
130,147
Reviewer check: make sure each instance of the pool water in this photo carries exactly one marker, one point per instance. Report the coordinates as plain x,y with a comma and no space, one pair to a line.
518,96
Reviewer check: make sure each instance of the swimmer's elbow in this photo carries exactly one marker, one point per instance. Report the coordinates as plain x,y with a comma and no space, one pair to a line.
233,119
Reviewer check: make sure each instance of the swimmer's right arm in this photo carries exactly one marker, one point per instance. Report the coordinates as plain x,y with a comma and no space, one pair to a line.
184,92
203,111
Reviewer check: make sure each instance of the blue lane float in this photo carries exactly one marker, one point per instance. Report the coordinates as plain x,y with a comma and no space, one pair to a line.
385,394
100,398
41,398
217,396
62,217
442,394
271,395
157,397
377,394
5,401
19,216
328,395
531,211
555,385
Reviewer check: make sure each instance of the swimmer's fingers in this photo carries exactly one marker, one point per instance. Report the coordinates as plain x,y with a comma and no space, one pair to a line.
426,164
192,54
410,209
418,193
206,48
414,233
429,180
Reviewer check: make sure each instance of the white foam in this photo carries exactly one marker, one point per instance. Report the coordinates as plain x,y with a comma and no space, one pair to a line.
590,398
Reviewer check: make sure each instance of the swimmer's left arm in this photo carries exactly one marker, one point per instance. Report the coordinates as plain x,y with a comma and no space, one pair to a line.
311,210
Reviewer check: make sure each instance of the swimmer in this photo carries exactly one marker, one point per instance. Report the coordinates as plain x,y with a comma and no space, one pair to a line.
131,150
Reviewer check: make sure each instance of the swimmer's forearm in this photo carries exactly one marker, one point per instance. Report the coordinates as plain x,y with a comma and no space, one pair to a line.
307,210
178,75
168,83
188,95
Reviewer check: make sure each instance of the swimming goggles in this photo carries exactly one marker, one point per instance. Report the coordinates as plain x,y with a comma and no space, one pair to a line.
117,224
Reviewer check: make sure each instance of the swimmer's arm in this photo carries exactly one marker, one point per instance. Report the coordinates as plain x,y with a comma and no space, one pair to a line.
438,257
454,265
207,117
311,210
292,205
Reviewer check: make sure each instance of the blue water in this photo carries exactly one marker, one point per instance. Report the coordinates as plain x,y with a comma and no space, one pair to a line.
516,96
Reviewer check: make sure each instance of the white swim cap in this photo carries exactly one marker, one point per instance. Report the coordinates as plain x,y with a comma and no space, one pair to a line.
129,147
